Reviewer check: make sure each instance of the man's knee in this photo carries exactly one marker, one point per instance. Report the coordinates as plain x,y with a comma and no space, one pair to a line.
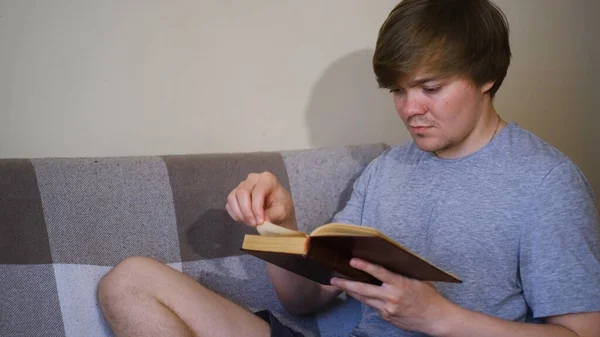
123,280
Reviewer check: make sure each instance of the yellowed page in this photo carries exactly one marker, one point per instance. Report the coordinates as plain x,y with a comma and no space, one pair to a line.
270,229
274,244
345,229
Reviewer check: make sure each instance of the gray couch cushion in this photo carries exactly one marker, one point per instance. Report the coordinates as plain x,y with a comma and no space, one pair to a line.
64,222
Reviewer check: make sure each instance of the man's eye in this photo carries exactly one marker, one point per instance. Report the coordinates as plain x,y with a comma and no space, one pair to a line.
395,90
431,90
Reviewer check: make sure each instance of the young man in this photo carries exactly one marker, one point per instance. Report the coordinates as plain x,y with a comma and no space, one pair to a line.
478,197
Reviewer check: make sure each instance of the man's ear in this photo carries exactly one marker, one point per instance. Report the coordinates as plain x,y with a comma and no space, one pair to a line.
487,86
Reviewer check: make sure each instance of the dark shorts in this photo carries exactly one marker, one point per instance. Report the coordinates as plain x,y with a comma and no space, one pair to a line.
277,328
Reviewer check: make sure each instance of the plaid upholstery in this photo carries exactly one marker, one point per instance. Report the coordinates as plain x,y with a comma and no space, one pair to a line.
64,222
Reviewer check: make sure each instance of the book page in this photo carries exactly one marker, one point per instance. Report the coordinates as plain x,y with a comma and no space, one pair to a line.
275,244
270,229
337,229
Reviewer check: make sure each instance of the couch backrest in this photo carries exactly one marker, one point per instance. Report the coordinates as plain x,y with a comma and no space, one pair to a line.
64,222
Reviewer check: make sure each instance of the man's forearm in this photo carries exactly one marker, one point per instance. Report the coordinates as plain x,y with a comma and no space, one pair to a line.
297,294
464,323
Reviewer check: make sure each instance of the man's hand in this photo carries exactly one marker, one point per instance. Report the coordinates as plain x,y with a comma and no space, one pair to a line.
417,306
407,303
261,198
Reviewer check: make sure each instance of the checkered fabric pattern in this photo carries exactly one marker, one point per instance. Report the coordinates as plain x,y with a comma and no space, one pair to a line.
64,222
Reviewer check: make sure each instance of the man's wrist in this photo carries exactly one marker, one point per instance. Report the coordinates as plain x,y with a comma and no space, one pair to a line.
445,319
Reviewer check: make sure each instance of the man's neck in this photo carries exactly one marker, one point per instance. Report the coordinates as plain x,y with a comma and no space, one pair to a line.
484,131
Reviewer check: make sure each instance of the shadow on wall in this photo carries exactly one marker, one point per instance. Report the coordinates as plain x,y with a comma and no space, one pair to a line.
347,107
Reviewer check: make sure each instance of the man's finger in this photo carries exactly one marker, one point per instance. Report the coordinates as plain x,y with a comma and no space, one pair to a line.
263,187
378,272
244,202
359,288
233,208
375,303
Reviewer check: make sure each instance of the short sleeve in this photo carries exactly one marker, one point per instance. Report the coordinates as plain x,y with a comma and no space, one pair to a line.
352,212
559,257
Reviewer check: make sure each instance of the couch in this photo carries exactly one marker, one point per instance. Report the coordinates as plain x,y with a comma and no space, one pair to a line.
65,222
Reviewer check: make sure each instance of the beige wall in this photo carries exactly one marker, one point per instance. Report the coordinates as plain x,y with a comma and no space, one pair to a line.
104,78
550,88
112,77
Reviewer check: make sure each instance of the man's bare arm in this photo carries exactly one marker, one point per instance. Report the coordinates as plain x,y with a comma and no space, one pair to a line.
299,295
417,306
467,323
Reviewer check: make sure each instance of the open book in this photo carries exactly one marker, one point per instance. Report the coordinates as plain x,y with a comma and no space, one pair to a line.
326,252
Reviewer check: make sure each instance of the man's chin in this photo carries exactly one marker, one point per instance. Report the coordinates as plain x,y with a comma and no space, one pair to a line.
426,146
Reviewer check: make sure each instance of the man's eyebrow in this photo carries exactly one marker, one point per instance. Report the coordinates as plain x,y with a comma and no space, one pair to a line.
419,81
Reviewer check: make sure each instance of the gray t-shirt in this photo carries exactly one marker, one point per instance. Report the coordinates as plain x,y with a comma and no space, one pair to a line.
516,221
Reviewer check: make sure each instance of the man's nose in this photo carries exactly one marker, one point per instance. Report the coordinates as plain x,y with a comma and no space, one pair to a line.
413,106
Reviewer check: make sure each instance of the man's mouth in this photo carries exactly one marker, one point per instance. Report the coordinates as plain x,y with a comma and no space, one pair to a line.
419,128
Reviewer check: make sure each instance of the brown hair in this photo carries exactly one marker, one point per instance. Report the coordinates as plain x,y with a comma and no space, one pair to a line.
448,37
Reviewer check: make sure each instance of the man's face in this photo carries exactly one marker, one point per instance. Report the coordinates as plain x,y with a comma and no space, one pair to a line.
440,112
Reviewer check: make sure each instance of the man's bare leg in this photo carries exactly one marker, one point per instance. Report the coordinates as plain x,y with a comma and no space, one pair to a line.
143,297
